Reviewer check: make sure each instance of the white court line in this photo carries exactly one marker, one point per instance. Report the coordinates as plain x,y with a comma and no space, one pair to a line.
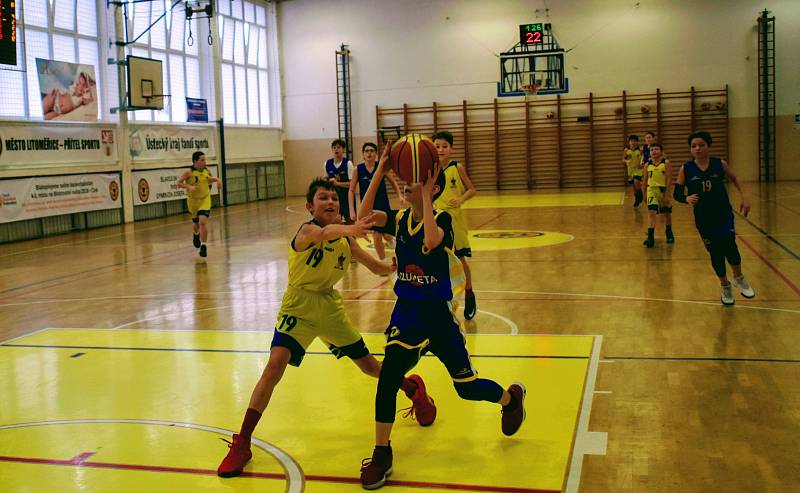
513,328
24,335
602,391
294,474
586,442
134,231
547,293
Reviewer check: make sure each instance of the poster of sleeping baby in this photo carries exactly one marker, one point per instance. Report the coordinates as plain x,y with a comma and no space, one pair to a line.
68,90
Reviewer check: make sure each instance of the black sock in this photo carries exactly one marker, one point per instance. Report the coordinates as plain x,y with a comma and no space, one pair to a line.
651,233
669,229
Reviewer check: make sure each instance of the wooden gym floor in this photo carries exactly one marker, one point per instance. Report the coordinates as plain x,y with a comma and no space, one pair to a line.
126,357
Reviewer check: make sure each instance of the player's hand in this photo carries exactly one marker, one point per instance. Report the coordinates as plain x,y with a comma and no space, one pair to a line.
362,227
427,187
455,202
190,188
744,207
692,199
383,163
391,267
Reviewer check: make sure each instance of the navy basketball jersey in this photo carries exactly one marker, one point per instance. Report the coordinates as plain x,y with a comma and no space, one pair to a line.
646,153
364,179
424,274
713,212
340,172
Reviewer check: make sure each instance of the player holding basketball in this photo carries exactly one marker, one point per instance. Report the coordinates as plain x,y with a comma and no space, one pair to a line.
422,319
457,190
632,157
361,179
713,214
657,180
197,182
318,258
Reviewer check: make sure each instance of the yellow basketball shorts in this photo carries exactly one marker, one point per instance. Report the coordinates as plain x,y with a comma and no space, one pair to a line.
306,315
657,201
199,207
461,233
634,173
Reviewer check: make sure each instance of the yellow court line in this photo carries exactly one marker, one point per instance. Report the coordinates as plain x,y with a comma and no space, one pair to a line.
543,200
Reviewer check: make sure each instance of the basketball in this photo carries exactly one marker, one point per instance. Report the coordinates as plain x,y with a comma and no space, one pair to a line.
413,157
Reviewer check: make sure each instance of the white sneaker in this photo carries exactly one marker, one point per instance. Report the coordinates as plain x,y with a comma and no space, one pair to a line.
744,287
727,294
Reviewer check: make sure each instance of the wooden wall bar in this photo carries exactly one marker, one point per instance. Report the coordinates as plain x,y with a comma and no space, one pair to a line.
553,141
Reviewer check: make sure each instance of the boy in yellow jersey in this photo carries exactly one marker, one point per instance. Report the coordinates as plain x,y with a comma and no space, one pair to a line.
657,180
632,157
422,321
197,183
319,256
457,190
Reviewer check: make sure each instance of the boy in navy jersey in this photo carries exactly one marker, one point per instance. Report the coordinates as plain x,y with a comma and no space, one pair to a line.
339,170
713,215
428,275
361,180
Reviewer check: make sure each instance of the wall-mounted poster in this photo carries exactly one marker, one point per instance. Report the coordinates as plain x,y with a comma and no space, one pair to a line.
68,90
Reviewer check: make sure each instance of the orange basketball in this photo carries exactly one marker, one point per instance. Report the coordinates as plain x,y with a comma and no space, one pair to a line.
412,157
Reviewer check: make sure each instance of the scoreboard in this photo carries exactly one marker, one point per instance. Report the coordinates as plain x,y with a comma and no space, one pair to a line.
8,32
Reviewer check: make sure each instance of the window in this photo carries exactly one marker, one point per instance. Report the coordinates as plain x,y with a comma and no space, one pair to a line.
245,76
179,44
63,30
82,31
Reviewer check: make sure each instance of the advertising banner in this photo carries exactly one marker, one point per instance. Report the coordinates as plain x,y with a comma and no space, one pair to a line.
68,90
29,198
159,185
169,143
56,144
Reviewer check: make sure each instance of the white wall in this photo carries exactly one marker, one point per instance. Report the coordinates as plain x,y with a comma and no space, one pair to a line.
253,144
419,51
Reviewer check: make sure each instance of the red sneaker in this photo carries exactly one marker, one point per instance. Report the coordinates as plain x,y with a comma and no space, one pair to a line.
514,416
422,406
237,457
374,471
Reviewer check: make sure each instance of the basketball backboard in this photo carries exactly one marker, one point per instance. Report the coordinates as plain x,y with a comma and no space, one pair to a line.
145,84
536,60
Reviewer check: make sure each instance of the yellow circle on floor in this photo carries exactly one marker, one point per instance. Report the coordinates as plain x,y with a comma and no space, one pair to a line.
484,240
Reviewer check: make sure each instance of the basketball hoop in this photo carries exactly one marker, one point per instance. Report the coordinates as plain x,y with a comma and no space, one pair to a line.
530,89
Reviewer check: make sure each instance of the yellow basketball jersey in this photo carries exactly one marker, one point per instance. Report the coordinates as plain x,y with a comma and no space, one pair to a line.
320,266
657,174
634,157
199,179
453,187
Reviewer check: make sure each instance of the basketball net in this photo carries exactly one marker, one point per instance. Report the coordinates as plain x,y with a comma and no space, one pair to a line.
530,89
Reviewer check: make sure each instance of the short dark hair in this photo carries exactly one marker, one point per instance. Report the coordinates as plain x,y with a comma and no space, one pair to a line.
440,182
197,155
633,137
657,144
650,133
369,144
700,135
444,135
340,143
315,185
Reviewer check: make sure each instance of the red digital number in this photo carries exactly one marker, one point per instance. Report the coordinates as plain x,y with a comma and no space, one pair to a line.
529,37
537,37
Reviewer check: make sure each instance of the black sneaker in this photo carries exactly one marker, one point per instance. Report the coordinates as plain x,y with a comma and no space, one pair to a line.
670,237
203,252
649,242
196,241
470,306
